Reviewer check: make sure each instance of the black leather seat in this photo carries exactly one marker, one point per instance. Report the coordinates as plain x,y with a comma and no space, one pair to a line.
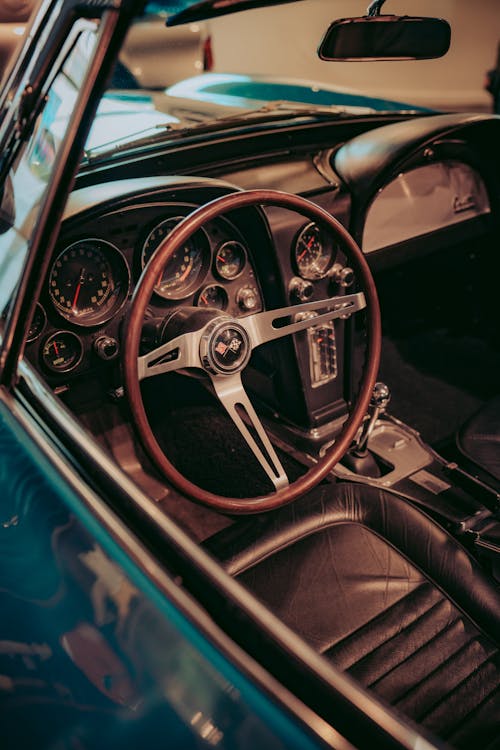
386,594
479,439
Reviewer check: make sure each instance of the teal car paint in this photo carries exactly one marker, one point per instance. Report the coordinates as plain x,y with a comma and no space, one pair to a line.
90,650
243,90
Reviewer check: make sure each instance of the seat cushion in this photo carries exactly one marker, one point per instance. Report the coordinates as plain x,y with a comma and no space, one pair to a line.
386,595
424,657
479,438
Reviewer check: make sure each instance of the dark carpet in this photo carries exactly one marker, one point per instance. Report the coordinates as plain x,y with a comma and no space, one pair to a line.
438,380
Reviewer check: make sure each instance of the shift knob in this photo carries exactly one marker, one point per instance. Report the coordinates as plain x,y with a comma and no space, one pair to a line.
381,396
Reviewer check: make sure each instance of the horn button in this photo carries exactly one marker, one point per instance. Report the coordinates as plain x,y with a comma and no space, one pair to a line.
224,347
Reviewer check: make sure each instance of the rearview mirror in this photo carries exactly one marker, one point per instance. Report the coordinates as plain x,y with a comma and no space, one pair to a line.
386,38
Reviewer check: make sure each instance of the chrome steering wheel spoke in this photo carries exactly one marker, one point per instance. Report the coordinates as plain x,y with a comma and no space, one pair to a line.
267,326
234,399
177,354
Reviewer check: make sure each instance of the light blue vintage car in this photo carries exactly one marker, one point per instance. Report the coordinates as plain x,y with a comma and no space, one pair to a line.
233,89
249,411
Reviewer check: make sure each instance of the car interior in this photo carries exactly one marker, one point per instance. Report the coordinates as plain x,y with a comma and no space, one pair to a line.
286,333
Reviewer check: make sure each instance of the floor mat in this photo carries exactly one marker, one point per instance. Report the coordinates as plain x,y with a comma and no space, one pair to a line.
437,380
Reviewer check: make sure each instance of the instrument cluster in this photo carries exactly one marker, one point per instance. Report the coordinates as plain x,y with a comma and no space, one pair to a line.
92,277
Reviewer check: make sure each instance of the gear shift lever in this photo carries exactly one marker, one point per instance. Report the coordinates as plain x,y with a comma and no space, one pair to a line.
378,404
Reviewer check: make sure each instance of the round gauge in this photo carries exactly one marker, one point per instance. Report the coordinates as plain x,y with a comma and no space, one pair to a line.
62,352
213,295
89,282
314,254
230,259
38,322
186,268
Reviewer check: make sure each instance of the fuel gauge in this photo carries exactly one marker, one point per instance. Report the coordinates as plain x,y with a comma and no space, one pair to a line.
62,352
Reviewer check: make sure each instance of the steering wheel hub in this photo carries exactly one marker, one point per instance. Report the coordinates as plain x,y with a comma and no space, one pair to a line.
224,347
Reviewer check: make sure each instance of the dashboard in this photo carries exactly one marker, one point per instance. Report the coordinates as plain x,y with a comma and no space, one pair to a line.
398,196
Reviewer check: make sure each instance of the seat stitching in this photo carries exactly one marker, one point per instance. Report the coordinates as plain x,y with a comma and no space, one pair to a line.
459,686
440,667
473,710
349,638
426,614
417,617
447,627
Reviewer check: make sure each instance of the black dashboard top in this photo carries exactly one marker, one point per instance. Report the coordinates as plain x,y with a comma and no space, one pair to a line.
363,162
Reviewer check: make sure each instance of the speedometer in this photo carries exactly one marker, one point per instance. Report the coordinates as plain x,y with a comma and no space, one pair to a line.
89,282
187,267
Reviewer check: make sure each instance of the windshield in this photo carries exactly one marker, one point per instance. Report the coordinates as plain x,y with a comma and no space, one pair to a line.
176,77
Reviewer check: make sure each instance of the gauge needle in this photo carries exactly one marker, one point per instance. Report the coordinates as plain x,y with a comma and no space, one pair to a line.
203,299
77,294
186,273
78,287
308,247
56,349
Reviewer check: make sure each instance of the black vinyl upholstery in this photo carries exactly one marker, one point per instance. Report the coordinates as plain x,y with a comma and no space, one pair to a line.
386,594
479,438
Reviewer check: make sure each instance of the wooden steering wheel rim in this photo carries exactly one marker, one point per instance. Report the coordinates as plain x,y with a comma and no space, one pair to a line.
132,336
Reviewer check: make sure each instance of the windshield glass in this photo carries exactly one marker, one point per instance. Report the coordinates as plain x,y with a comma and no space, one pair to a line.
179,76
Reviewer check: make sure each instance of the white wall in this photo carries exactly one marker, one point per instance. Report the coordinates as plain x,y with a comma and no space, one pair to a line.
455,81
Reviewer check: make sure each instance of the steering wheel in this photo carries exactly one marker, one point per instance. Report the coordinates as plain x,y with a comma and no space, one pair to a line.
220,345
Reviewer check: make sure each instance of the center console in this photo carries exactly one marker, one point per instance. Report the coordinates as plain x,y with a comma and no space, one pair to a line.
468,507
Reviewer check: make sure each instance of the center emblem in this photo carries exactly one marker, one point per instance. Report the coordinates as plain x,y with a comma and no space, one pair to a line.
225,348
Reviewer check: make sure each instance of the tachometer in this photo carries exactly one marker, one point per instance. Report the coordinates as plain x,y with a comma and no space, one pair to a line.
314,254
89,282
188,266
